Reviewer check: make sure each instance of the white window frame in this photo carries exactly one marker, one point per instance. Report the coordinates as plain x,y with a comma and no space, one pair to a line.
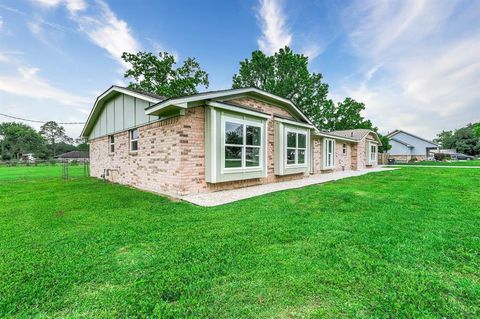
372,155
326,154
261,147
111,144
131,139
296,148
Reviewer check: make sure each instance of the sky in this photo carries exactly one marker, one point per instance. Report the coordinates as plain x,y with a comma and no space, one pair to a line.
414,63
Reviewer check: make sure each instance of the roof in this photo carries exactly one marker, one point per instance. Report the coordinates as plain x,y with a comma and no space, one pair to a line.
356,134
160,97
73,154
221,96
390,135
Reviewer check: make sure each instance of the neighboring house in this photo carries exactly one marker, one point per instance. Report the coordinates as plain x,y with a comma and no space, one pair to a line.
213,141
406,146
74,156
27,157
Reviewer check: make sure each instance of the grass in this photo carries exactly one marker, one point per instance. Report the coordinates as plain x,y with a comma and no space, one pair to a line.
397,244
453,163
42,171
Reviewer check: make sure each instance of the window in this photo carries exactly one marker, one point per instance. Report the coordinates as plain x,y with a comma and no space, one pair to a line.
344,148
111,143
329,153
134,140
243,144
373,153
296,148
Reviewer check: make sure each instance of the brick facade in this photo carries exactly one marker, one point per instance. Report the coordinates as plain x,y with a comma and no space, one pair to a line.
171,154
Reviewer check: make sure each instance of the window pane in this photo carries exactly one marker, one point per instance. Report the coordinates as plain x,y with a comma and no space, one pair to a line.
330,146
252,156
301,156
291,139
233,156
253,135
291,156
302,141
134,146
112,148
134,134
233,133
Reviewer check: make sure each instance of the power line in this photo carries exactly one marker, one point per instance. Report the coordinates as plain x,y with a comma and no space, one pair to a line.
35,121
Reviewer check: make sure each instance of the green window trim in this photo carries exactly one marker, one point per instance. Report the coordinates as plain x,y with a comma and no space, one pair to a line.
328,153
242,145
296,148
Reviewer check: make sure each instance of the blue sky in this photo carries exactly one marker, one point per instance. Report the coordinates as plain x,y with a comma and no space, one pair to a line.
414,63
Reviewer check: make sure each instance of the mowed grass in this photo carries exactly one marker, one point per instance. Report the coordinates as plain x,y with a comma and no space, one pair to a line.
41,171
396,244
452,163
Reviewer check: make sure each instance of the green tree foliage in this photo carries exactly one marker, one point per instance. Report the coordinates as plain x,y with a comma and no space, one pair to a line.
159,76
476,130
17,139
54,134
286,74
347,115
464,139
385,147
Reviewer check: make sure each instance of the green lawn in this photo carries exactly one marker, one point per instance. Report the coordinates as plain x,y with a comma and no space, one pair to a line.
453,163
397,244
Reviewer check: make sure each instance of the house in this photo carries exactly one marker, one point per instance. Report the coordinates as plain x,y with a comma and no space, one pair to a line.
213,141
406,146
27,157
74,156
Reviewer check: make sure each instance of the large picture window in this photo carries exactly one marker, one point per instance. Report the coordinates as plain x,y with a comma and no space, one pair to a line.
242,144
329,153
296,148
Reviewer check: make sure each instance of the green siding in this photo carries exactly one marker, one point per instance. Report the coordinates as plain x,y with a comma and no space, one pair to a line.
120,113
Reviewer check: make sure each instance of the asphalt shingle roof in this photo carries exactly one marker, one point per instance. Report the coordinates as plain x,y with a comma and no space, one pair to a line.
356,134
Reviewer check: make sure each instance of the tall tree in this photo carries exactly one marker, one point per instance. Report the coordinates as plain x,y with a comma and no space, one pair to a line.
54,134
17,139
286,74
159,76
464,140
347,115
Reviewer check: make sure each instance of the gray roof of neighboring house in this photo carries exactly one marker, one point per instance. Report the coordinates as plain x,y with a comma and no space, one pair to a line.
356,134
390,135
73,154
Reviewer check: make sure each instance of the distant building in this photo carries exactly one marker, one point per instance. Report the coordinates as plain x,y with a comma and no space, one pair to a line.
406,146
73,156
27,157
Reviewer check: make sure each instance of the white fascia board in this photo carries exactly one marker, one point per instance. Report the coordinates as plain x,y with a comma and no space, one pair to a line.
290,122
233,108
225,93
334,137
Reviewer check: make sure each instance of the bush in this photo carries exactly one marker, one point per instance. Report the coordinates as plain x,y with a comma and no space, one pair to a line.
441,157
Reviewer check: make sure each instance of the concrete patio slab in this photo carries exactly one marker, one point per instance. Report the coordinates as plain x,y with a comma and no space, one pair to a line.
228,196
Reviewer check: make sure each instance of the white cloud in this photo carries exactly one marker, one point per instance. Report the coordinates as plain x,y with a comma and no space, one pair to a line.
420,63
312,50
72,5
27,82
101,26
275,32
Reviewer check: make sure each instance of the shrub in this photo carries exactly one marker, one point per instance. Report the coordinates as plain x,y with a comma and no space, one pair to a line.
441,157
